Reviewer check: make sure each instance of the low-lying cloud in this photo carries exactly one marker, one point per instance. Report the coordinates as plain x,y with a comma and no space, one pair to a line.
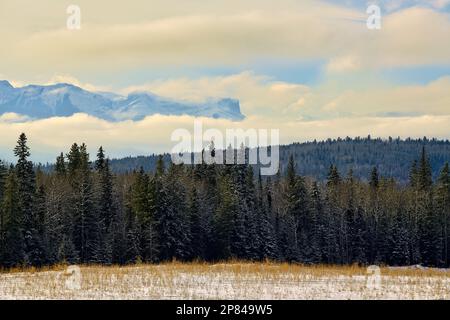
50,136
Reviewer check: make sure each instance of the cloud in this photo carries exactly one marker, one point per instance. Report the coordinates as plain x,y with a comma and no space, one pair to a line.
258,94
65,78
343,64
184,35
152,135
408,38
382,98
192,39
266,97
291,30
11,117
440,4
338,96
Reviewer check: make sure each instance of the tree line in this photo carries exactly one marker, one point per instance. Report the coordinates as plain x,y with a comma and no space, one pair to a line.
392,157
82,212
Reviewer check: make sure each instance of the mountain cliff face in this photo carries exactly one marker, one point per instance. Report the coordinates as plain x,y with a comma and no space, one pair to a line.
61,100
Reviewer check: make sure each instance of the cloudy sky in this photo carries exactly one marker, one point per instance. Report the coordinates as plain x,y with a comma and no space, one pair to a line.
310,68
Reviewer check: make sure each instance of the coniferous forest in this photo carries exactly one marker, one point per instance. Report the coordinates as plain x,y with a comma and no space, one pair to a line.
82,212
392,157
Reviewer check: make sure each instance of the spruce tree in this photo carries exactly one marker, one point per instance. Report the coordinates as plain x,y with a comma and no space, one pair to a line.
334,177
442,200
333,216
143,207
266,246
240,248
252,240
131,252
86,219
173,223
74,161
40,223
106,205
13,252
430,234
424,173
319,229
413,175
27,186
225,219
295,195
374,179
197,229
60,166
3,177
400,254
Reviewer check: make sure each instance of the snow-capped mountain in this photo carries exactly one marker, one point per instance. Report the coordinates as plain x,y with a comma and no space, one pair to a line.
64,99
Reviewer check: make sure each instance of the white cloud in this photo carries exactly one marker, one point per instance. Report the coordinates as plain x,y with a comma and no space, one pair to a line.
261,95
440,4
178,34
258,94
268,98
218,33
50,136
65,78
432,98
11,117
344,64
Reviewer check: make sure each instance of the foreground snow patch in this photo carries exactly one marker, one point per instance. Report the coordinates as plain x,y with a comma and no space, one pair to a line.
224,281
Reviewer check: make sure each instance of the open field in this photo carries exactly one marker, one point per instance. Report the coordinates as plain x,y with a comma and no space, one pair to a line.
225,281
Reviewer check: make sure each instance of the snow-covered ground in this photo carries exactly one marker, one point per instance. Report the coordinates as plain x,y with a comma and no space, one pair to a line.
226,281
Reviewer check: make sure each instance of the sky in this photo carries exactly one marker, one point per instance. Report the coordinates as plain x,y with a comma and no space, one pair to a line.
310,68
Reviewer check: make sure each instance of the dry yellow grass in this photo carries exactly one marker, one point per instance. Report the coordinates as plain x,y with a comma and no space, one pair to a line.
230,280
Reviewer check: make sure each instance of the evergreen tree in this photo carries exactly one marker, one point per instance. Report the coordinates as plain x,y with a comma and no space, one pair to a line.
413,175
60,166
214,212
132,250
74,161
443,208
295,195
424,172
429,225
266,246
41,250
319,230
252,241
197,229
3,177
239,246
173,224
400,254
143,207
333,216
225,220
107,208
27,186
374,179
87,225
13,253
334,177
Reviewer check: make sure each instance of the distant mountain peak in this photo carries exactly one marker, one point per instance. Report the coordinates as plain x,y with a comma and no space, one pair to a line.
65,99
5,84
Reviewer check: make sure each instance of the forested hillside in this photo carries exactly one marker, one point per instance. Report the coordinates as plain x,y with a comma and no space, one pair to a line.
82,212
393,157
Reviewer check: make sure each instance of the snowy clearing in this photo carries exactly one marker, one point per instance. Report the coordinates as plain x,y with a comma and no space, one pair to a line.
226,281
